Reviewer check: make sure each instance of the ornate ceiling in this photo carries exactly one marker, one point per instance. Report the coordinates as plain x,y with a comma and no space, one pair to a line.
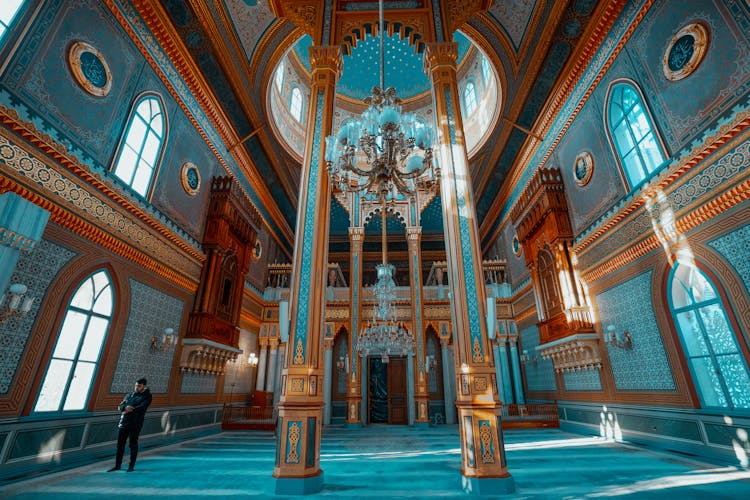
235,45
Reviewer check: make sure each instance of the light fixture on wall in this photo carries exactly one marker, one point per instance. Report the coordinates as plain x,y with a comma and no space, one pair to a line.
615,339
164,341
343,364
252,360
18,304
529,360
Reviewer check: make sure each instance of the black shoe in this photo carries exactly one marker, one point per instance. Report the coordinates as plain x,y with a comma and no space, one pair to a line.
116,467
131,468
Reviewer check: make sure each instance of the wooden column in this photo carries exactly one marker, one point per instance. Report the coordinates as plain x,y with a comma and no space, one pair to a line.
354,377
421,392
483,462
297,467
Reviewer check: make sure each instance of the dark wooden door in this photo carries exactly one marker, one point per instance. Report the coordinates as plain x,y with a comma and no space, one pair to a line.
397,413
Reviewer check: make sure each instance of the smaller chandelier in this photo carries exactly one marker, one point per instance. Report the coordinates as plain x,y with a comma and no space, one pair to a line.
385,152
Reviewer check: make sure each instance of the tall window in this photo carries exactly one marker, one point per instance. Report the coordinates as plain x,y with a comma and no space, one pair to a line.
279,77
295,104
79,344
716,361
143,141
485,70
470,98
633,133
8,11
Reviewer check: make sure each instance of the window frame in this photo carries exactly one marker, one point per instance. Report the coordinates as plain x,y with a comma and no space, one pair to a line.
12,22
654,130
123,141
486,70
722,301
296,90
474,97
61,411
279,77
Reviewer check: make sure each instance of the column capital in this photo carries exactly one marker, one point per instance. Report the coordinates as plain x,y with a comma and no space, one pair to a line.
356,233
263,343
440,56
413,232
445,342
326,62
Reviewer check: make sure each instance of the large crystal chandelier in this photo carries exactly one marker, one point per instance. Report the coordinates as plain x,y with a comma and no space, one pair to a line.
383,155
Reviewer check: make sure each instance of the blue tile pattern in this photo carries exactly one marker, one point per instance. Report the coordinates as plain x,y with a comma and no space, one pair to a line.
150,311
198,383
586,380
308,235
628,306
733,247
464,207
540,376
36,270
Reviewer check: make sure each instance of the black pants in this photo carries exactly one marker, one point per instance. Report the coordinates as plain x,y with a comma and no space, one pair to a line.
124,434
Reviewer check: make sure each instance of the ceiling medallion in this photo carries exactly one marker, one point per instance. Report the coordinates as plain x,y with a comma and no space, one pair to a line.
685,52
257,249
190,178
89,69
583,168
516,245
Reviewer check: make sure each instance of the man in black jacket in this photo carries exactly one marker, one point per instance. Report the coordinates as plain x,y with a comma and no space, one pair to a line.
132,412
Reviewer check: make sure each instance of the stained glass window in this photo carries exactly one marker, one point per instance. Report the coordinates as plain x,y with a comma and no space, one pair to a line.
633,134
142,145
718,367
8,11
71,370
486,72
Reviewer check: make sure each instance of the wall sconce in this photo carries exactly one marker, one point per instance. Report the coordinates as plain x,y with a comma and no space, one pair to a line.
343,364
430,363
253,359
12,309
528,360
167,340
624,341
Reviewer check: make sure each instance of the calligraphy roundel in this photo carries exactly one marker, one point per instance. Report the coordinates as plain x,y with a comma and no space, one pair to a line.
685,51
89,69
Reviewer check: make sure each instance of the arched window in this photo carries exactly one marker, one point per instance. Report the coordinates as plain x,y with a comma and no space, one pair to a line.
486,72
710,345
295,104
470,98
279,77
8,11
633,133
71,370
142,145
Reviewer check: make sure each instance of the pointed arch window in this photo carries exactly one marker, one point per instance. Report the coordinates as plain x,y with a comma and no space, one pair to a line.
67,383
470,98
8,13
633,133
710,345
142,145
295,104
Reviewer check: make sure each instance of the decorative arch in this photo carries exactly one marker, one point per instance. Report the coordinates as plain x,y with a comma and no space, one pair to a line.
355,30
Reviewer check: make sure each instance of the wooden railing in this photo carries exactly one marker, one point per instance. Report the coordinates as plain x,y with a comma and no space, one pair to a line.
237,417
530,415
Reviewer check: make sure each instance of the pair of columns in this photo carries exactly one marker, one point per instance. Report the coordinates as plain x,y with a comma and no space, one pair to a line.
267,365
297,466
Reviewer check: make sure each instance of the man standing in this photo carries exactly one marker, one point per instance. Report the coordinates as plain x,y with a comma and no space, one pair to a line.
132,412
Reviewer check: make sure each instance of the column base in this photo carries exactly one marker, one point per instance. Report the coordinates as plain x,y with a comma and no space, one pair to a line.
353,425
488,485
299,485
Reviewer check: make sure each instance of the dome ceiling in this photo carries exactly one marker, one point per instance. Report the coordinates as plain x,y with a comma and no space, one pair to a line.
403,65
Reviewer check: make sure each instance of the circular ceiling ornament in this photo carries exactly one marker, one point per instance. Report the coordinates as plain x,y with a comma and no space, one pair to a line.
89,69
190,178
516,245
583,168
685,52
